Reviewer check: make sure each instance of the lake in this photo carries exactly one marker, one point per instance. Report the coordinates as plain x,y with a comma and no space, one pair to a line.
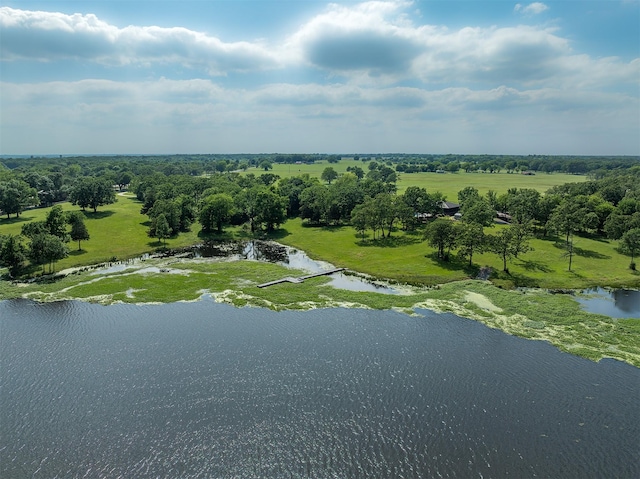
207,390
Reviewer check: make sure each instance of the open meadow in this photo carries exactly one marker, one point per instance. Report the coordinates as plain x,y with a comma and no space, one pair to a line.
448,183
117,231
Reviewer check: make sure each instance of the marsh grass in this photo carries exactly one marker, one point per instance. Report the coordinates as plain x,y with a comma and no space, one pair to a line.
534,314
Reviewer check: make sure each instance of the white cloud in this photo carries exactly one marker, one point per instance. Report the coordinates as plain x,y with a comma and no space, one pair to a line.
201,116
534,8
49,36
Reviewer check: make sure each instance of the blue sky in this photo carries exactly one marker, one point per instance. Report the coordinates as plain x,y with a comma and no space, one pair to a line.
234,76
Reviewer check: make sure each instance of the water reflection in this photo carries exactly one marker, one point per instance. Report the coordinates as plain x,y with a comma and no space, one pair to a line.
292,258
617,303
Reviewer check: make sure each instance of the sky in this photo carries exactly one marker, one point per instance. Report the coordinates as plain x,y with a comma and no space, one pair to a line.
306,76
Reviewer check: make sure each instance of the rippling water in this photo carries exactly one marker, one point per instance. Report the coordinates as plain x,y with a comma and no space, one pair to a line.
206,390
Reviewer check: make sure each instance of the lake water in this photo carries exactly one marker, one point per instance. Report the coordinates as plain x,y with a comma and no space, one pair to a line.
616,303
207,390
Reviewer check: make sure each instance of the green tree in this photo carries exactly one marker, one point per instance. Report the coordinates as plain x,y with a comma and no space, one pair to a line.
79,230
568,217
15,196
56,223
45,249
630,244
266,165
468,193
328,174
92,192
520,238
271,209
315,203
477,210
161,228
216,212
441,234
470,239
502,244
12,254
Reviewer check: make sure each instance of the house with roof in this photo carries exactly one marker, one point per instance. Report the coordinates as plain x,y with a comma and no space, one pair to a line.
449,208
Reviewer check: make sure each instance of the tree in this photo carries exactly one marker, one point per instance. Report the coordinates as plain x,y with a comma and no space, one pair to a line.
522,204
328,174
92,192
266,165
521,235
47,248
441,234
79,230
630,244
468,193
161,228
56,222
15,196
271,210
171,212
12,254
314,203
470,239
216,211
477,210
568,217
502,245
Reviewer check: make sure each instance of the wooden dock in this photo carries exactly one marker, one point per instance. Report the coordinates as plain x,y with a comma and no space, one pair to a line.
290,279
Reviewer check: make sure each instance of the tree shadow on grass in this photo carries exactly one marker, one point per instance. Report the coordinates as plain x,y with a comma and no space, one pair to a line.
77,252
12,221
324,227
224,236
533,266
585,253
278,234
389,242
454,263
98,215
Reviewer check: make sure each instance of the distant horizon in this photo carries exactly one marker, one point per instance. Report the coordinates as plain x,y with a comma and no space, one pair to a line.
556,77
343,155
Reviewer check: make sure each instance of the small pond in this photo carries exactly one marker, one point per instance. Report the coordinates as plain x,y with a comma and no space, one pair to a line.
263,251
615,303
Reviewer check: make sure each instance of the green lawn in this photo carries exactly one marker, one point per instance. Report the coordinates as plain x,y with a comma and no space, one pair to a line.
406,258
120,231
448,183
117,230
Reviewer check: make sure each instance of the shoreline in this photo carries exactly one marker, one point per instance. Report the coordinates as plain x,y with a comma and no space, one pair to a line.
532,314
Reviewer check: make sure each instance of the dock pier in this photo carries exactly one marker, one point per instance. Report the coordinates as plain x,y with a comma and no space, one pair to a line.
301,279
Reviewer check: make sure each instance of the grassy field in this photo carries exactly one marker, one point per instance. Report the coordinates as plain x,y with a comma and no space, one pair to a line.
406,258
117,230
120,231
449,183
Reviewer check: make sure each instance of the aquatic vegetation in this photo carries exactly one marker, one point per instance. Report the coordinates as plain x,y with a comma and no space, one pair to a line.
533,314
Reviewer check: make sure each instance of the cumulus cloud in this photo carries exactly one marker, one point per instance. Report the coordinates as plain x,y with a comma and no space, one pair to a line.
50,36
534,8
371,36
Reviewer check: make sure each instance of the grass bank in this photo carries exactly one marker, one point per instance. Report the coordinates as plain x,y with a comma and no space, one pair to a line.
533,314
406,258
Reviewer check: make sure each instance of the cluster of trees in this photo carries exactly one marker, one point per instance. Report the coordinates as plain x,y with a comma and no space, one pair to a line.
175,194
46,241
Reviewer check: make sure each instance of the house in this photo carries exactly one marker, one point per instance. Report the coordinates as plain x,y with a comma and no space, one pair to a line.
449,208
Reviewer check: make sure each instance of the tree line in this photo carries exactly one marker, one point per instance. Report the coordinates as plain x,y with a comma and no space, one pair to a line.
364,197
